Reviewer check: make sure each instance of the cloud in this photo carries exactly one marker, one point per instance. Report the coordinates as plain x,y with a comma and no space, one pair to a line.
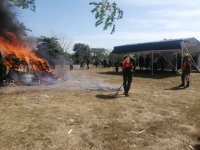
159,2
157,24
167,19
176,13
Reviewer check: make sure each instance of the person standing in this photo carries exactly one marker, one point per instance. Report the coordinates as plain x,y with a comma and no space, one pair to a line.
96,63
155,61
186,69
71,64
147,61
88,62
127,74
141,62
104,63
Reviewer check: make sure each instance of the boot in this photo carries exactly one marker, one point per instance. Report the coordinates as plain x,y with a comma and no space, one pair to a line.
181,85
188,84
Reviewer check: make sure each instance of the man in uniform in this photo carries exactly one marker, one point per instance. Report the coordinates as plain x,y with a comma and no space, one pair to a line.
71,64
127,74
147,61
186,69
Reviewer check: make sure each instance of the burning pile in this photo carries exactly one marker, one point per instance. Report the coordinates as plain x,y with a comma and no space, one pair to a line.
21,61
22,64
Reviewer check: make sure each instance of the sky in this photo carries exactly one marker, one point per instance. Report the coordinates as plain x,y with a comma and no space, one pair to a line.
143,21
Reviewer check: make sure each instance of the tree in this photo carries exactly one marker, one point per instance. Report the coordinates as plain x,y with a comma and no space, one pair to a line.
99,53
82,51
50,49
65,42
24,4
105,12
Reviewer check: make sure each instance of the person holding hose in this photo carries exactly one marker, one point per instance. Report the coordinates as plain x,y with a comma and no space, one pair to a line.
186,69
127,74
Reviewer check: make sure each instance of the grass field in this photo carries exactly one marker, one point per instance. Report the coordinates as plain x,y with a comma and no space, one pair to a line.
82,112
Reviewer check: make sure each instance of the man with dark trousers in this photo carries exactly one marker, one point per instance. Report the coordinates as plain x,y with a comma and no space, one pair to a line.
127,74
147,61
186,69
88,63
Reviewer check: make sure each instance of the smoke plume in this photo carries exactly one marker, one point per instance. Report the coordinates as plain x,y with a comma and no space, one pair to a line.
9,21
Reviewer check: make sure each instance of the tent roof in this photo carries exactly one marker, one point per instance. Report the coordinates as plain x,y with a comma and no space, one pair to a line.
165,45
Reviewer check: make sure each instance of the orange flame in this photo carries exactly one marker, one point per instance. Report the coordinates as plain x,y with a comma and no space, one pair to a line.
15,47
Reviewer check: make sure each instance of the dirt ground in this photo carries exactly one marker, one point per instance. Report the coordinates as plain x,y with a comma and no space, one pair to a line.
83,113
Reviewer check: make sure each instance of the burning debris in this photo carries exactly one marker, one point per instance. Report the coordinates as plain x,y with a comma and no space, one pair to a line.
23,66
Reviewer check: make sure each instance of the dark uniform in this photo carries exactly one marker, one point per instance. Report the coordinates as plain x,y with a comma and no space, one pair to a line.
141,62
127,74
147,61
88,63
186,69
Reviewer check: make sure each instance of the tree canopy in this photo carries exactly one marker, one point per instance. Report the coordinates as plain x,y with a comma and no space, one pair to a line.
50,49
82,51
99,53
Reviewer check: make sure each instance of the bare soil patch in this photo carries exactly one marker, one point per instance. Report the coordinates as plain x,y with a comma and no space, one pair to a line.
83,113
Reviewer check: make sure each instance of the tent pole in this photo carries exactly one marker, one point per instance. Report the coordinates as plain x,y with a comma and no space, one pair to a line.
113,63
152,62
176,62
199,61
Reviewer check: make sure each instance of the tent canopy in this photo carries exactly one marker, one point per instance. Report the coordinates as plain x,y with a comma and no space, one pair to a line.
166,45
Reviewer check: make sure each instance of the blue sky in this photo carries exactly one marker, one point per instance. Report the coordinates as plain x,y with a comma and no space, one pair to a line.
143,21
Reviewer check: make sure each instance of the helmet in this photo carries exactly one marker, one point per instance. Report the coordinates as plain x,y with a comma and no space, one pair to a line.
186,55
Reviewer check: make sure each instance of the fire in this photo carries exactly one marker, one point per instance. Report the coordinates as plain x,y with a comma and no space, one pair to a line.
16,54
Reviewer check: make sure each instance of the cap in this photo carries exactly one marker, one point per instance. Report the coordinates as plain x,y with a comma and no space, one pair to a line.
186,54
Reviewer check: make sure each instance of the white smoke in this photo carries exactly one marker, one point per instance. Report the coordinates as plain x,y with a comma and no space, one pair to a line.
22,78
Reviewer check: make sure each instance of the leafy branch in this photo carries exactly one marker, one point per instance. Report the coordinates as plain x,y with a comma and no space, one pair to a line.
24,4
105,12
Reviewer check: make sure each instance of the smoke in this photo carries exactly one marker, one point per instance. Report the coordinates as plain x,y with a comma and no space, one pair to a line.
9,22
22,78
30,42
80,81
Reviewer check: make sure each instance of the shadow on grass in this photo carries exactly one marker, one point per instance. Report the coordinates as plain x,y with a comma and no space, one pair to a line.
176,88
108,97
145,74
196,147
198,139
